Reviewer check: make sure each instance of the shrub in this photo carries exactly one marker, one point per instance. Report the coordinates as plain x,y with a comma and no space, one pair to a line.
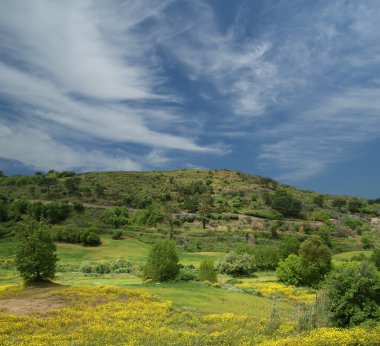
78,206
289,270
117,235
353,293
92,239
162,263
207,271
186,274
237,265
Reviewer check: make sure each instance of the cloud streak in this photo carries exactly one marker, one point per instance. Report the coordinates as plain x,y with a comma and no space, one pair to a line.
84,68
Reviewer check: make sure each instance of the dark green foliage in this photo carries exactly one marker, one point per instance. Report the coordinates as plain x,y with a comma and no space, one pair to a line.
289,245
187,274
57,211
286,204
3,211
116,216
266,257
324,233
353,292
339,203
91,239
375,258
78,206
237,264
366,241
319,200
355,205
71,234
72,184
315,260
117,235
289,270
162,263
35,251
207,271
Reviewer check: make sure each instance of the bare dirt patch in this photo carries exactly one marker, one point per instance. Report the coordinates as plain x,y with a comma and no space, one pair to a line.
29,306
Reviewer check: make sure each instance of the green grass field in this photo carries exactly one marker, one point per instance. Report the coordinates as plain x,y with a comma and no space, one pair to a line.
129,248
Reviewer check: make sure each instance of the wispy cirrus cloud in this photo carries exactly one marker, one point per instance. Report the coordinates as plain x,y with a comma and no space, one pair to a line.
85,68
302,77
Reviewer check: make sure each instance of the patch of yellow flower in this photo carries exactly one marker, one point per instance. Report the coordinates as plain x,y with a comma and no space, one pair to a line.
272,289
119,316
357,336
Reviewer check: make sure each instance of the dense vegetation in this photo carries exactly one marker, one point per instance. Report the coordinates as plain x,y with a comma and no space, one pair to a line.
221,231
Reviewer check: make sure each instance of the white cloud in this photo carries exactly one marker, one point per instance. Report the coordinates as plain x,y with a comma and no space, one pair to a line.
73,65
38,150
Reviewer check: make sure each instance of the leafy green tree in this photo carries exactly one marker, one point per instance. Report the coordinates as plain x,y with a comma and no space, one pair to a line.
207,271
289,270
3,211
162,263
237,264
205,207
315,260
72,184
339,203
286,204
355,205
35,251
289,245
353,293
266,257
319,200
375,258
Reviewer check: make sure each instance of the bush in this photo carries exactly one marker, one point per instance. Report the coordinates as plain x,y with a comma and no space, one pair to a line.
289,270
117,235
91,239
353,293
162,263
237,265
186,274
207,271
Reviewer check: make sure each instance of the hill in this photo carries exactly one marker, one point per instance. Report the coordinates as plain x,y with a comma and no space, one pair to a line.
207,210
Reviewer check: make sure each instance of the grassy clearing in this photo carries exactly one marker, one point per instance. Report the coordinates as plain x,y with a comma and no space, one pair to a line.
131,249
346,256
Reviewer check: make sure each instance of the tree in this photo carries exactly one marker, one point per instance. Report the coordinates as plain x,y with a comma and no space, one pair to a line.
319,200
286,204
355,205
162,263
339,203
315,260
289,245
237,264
353,293
205,207
35,251
375,258
289,270
207,271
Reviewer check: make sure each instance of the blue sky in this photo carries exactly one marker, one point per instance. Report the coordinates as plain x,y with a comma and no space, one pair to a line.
282,88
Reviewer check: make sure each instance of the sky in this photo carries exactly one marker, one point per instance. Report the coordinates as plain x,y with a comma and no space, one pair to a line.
288,89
